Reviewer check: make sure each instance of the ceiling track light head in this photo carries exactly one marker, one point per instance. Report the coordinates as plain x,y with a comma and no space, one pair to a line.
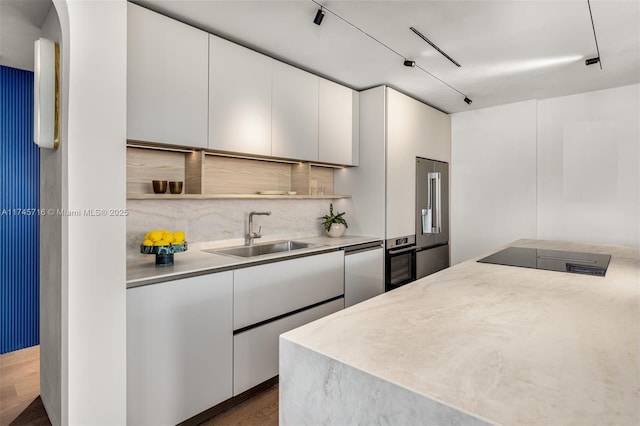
592,61
408,63
319,17
467,100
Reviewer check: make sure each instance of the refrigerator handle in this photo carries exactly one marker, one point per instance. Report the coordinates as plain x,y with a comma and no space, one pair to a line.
427,217
431,216
438,204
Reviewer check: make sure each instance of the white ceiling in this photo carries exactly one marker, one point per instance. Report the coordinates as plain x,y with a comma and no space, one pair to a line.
509,50
20,23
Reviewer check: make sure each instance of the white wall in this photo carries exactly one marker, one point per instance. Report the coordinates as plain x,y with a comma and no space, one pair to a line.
493,178
588,167
93,173
565,168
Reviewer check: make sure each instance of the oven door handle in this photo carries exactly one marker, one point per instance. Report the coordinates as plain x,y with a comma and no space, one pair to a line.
402,250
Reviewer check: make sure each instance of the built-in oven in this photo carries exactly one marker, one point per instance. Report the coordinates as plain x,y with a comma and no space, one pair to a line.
400,262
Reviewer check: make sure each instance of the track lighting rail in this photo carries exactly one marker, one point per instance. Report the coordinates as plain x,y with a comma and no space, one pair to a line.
405,61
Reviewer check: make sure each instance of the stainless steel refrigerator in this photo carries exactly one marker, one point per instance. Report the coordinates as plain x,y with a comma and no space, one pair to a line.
432,216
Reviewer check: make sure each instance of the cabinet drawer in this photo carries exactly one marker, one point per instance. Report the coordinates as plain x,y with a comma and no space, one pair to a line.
266,291
255,352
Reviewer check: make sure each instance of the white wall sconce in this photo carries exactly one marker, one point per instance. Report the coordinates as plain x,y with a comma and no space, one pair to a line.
46,93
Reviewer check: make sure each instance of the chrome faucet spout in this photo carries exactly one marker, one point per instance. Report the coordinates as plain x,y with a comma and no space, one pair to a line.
251,235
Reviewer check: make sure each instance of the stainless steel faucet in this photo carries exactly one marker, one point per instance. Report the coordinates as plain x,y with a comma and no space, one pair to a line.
248,240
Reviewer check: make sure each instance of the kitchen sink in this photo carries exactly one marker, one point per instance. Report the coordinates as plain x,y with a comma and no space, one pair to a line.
261,249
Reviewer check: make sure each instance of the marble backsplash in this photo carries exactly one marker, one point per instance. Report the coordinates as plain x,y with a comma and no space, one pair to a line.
216,220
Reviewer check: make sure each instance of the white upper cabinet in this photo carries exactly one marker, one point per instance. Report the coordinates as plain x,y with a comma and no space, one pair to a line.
439,135
338,128
413,130
239,98
167,79
294,131
406,139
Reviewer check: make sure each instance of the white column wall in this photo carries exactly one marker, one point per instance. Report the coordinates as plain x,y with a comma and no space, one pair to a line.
93,176
493,178
51,255
588,167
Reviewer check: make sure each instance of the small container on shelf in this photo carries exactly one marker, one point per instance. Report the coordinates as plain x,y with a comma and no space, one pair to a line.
159,186
175,187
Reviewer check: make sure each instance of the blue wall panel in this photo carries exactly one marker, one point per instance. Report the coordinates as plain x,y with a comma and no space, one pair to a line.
19,220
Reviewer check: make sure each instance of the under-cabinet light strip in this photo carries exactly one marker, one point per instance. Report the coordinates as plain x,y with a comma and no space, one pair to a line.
246,157
328,166
159,148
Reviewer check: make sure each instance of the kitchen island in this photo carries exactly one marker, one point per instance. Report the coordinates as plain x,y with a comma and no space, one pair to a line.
476,344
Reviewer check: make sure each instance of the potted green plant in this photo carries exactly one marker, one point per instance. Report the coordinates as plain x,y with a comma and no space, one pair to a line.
334,224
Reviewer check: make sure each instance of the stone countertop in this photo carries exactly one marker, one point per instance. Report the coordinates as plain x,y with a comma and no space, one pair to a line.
505,344
143,271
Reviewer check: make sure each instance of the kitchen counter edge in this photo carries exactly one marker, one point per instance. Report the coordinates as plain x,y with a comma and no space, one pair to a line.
142,271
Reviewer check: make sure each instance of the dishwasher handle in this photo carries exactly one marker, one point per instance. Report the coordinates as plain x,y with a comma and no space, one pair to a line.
361,248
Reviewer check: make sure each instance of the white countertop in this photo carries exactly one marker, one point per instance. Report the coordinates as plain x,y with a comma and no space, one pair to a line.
142,269
511,345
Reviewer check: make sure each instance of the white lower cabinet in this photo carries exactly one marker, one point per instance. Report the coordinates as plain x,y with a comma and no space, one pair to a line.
182,355
255,351
267,291
179,348
363,275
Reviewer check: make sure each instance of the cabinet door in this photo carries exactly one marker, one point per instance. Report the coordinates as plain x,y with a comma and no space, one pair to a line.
255,352
266,291
437,135
239,98
179,348
295,113
405,134
413,130
167,78
363,276
338,124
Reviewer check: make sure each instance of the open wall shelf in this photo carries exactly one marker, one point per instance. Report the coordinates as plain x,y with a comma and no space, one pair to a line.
231,197
210,176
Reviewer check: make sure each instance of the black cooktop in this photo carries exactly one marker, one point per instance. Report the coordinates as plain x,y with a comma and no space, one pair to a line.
552,260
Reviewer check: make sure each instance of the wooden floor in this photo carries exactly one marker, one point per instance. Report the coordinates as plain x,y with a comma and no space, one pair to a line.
20,402
261,410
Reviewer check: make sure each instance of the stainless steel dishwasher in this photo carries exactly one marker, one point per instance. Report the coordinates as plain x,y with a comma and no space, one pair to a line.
363,272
